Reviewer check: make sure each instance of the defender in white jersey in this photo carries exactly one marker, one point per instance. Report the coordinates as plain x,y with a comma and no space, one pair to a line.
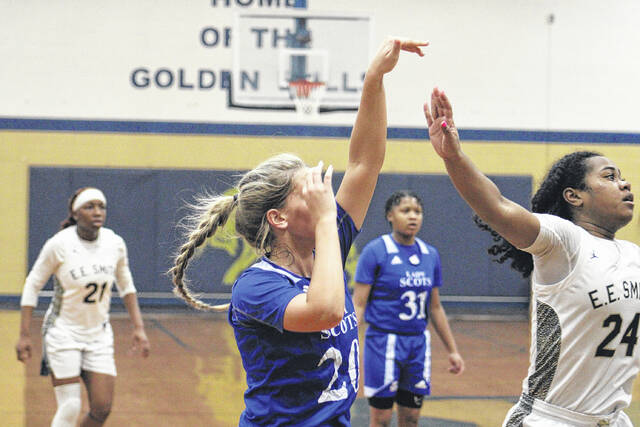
292,314
585,300
86,260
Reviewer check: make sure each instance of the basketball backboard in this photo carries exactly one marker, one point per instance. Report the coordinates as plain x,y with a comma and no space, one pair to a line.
273,49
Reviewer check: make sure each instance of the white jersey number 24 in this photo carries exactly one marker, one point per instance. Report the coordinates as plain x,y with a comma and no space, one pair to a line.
629,336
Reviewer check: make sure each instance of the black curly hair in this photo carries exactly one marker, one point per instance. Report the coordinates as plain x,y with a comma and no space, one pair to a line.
569,171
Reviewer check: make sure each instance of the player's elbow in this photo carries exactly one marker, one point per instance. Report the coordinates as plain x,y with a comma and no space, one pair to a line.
331,317
369,162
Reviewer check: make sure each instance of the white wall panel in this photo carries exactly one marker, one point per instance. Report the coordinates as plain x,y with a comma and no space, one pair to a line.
502,63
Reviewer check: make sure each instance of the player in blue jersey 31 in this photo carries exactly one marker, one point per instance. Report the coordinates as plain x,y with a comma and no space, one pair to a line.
584,355
292,315
397,291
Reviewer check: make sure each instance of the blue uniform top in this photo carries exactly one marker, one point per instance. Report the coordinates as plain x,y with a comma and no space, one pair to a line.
301,379
402,278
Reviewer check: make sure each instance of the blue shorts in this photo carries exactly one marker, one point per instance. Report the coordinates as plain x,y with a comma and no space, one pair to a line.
393,362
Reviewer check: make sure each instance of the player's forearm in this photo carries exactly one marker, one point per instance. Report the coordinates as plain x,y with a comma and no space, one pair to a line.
441,325
131,303
507,218
360,297
482,195
368,138
326,289
360,314
26,314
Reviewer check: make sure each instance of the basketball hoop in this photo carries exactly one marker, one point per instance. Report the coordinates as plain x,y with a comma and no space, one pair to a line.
306,96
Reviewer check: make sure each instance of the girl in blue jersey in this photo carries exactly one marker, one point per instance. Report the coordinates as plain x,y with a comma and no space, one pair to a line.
397,290
292,315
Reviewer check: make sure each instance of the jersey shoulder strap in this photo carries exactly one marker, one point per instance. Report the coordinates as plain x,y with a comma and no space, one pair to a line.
424,249
392,248
392,254
389,244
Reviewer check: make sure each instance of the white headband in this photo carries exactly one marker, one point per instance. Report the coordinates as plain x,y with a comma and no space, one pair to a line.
86,196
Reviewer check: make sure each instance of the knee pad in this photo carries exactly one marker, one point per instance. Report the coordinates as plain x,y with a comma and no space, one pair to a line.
381,402
408,399
69,398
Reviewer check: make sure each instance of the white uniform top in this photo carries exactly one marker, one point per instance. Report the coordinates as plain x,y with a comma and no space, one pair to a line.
85,272
586,315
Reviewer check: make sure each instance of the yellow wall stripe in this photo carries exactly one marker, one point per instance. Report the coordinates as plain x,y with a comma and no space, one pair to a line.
21,149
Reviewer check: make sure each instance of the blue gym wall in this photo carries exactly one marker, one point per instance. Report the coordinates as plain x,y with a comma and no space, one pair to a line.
145,206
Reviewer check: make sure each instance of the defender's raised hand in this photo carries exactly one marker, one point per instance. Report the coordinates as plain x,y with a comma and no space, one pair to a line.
442,130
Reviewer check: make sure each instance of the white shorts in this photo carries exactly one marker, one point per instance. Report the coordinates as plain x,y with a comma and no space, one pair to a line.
67,355
530,412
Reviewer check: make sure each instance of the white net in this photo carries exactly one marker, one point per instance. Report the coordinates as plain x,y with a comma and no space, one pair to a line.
306,96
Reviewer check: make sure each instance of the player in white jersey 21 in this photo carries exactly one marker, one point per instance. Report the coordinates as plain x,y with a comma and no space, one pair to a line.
397,291
86,260
292,313
585,299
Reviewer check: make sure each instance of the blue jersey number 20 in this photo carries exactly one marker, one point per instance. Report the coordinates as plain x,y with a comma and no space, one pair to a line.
332,353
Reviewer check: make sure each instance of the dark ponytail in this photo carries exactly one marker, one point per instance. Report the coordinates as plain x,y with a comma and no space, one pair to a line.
569,171
70,220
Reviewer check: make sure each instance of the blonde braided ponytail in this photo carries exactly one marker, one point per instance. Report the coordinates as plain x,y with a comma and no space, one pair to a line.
216,212
262,188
